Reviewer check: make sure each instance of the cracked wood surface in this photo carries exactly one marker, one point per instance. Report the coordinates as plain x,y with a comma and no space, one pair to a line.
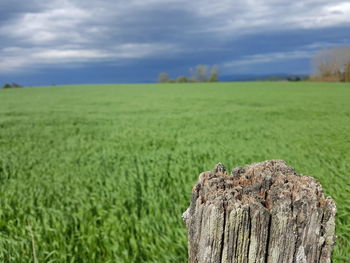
263,212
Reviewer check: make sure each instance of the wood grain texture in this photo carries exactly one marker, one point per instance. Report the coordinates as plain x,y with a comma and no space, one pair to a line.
263,212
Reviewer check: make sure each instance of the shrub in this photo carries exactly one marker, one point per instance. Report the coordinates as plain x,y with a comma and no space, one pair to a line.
13,85
181,79
347,73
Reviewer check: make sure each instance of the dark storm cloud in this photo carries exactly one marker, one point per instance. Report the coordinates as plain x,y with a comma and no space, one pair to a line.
37,35
11,9
21,6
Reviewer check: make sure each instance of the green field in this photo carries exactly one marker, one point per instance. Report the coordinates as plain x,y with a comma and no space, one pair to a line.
102,173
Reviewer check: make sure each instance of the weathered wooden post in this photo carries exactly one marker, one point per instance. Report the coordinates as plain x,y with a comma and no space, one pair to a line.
263,212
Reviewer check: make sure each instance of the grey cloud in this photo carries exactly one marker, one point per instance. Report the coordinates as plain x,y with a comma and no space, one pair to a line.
66,30
267,57
11,9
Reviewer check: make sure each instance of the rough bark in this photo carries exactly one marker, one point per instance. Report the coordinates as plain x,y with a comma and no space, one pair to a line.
263,212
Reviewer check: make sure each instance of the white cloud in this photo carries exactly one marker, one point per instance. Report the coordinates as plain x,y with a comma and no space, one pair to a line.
69,32
77,21
47,26
253,16
16,58
74,31
266,58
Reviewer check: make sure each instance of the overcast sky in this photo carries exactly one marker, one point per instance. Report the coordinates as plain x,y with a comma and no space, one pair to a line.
113,41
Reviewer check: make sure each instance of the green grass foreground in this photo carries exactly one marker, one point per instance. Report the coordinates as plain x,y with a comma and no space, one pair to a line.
102,173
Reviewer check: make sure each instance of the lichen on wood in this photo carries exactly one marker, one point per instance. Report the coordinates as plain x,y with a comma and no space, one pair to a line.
263,212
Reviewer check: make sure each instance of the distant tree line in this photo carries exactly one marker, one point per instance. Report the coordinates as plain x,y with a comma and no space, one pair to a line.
201,73
12,85
332,64
287,78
